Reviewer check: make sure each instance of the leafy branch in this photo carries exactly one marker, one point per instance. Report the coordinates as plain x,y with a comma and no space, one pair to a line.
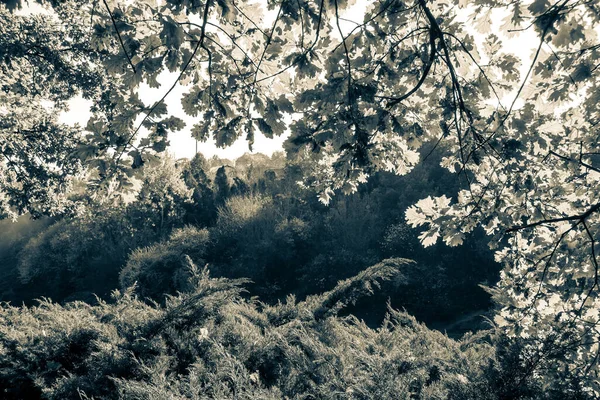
298,58
112,18
183,70
268,42
581,162
548,19
392,101
350,290
578,218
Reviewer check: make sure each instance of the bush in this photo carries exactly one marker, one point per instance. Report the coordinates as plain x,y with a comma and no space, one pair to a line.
77,257
211,343
160,269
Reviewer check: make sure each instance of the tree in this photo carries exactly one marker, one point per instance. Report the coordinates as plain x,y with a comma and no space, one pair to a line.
222,187
202,210
161,200
75,258
42,64
409,73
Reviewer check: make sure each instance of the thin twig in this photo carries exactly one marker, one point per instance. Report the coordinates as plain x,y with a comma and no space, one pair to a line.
337,22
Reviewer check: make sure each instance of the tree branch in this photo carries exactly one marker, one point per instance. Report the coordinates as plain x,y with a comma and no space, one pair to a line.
337,22
269,38
185,67
297,59
588,166
595,262
578,218
392,101
119,36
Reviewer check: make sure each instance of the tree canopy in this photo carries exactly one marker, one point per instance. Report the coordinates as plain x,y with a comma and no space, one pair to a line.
524,146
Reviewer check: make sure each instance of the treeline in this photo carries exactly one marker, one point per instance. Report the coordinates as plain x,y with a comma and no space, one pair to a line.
250,218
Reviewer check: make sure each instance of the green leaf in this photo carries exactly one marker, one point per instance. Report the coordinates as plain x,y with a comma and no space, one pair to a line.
265,128
200,131
228,134
160,146
538,6
159,110
172,34
137,160
172,60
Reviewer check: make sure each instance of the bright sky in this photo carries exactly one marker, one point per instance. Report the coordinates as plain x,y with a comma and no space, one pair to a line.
183,145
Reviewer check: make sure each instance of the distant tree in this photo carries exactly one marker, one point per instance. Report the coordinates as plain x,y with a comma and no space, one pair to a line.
160,202
239,187
222,186
256,238
196,169
76,258
202,210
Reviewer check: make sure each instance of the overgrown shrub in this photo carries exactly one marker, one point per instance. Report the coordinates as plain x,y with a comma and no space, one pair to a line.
77,257
159,269
210,343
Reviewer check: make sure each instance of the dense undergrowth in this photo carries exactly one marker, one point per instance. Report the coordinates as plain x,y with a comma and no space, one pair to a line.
212,342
